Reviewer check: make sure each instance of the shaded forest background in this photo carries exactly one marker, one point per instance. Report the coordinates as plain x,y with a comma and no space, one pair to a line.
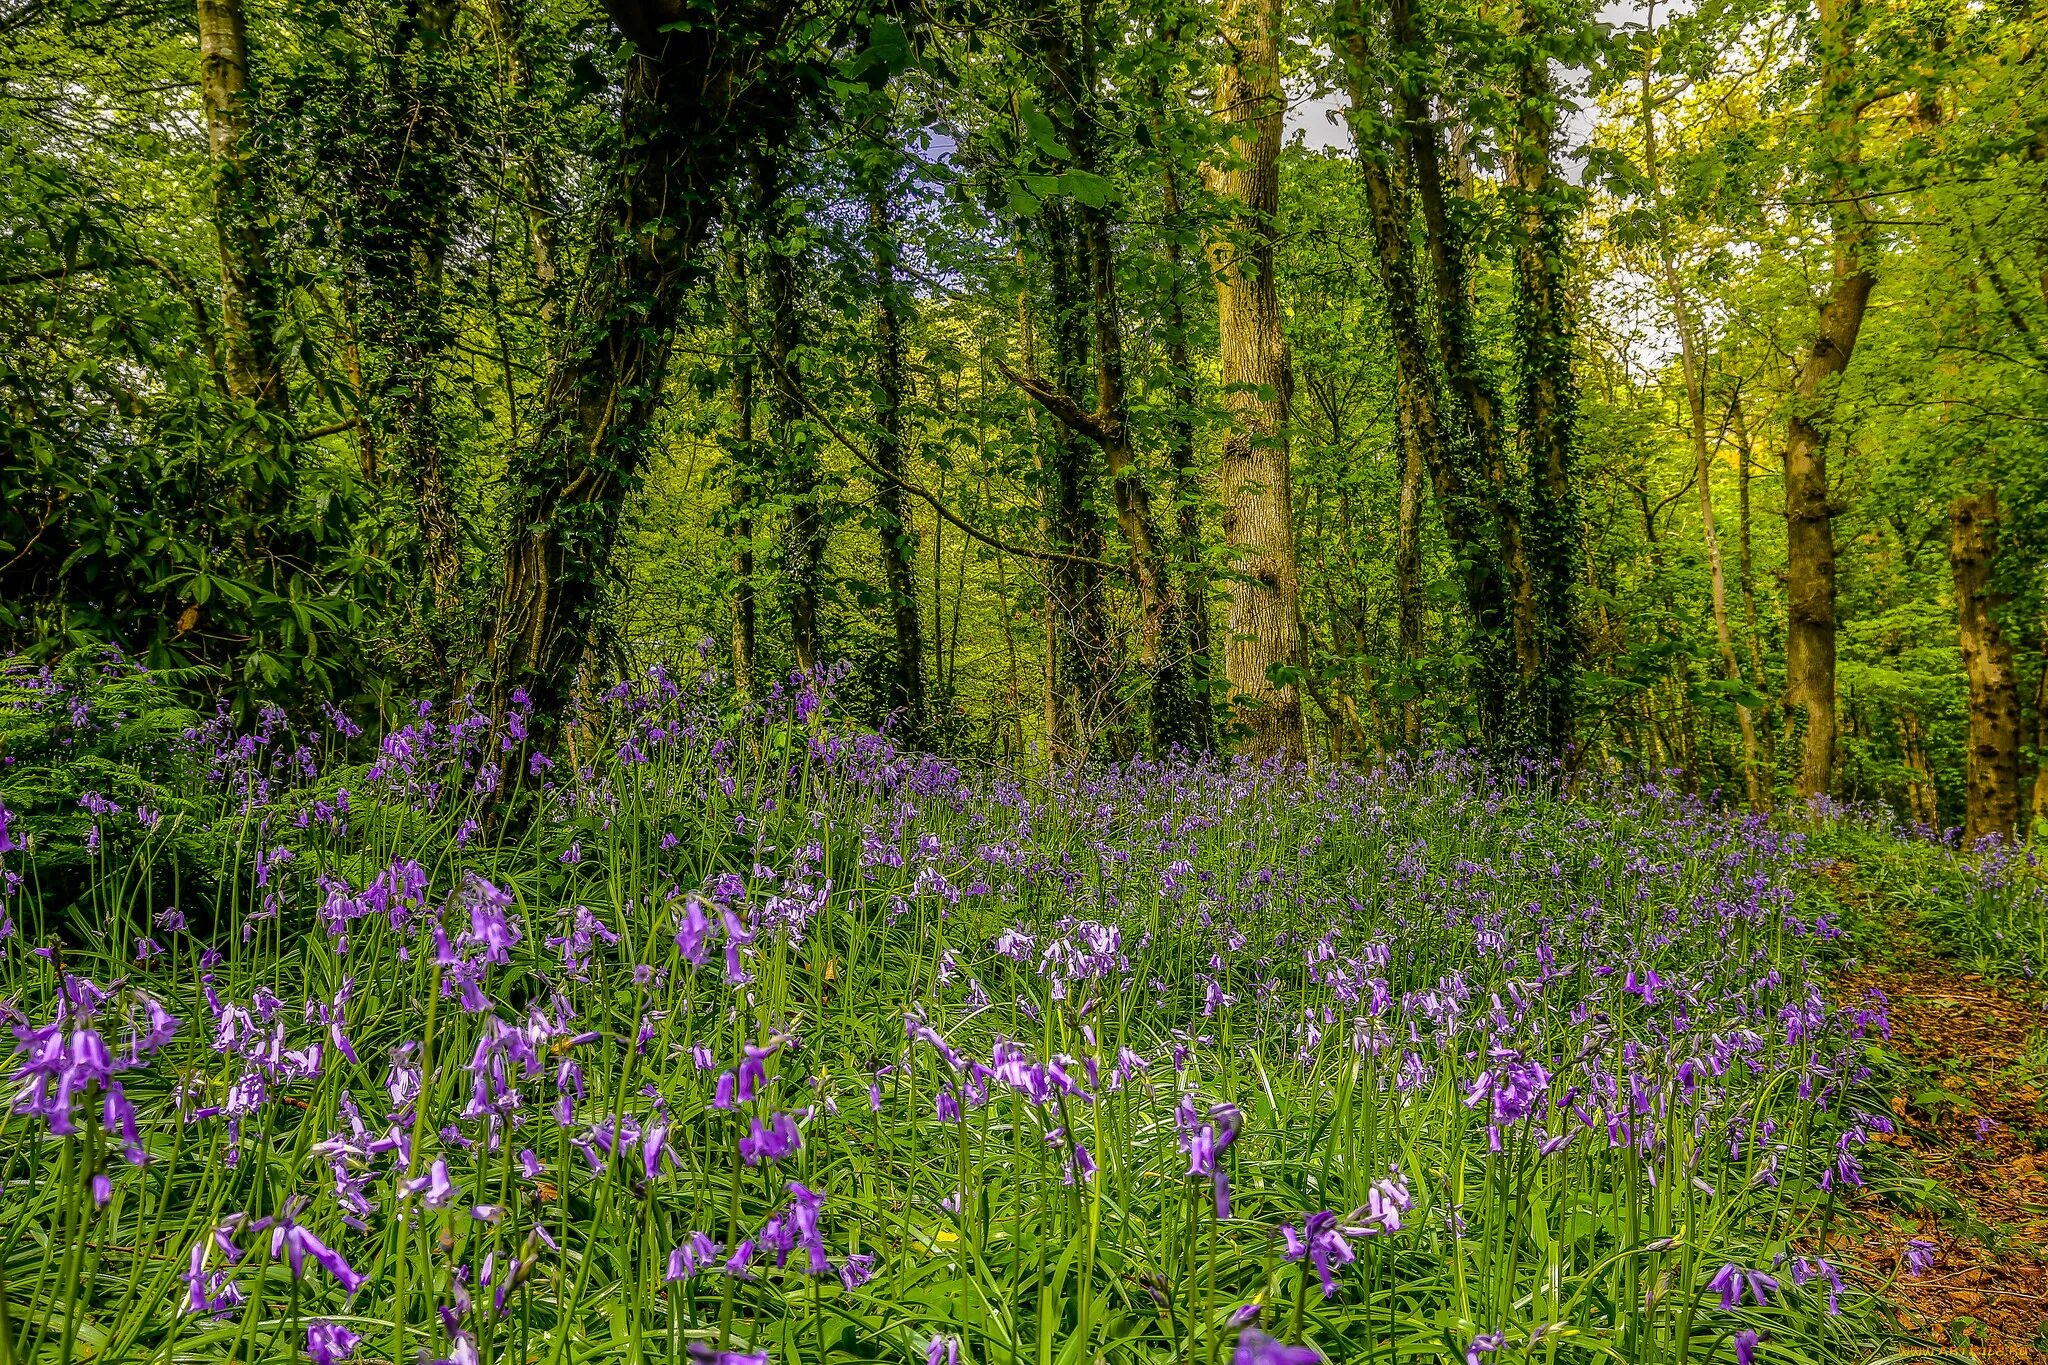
1658,387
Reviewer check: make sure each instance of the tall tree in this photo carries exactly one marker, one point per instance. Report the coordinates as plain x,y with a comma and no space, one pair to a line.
1810,509
394,147
898,538
688,88
1435,432
1166,644
1264,646
1547,397
778,217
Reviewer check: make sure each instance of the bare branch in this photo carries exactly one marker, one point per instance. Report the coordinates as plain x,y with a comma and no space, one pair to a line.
1057,402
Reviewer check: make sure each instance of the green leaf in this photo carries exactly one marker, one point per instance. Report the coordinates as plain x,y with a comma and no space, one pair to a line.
1043,135
1087,188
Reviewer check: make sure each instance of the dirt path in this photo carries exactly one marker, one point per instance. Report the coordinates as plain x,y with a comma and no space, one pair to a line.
1971,1101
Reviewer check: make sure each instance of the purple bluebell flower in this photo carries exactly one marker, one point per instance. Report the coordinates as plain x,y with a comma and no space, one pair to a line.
705,1353
1256,1348
1919,1257
329,1343
1816,1268
697,1253
1322,1243
856,1270
772,1143
1730,1280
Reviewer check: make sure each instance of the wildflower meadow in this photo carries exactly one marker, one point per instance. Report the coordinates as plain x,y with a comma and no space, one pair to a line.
737,1035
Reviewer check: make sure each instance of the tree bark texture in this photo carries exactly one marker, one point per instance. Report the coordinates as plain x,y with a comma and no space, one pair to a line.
1992,804
1258,511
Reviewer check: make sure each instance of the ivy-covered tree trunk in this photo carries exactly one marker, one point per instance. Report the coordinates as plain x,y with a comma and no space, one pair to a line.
1993,793
249,296
1079,676
893,527
795,462
1070,91
1547,397
1444,443
689,89
1471,402
1257,487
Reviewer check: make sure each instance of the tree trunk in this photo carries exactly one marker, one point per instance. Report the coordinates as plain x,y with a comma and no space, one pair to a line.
744,462
1471,402
898,537
1547,404
248,287
1921,798
686,88
1258,512
1408,588
796,465
1164,646
1079,677
1180,454
1993,796
1809,515
399,222
1445,446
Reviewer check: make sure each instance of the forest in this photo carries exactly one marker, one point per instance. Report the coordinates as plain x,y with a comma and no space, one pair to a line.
1023,682
1654,388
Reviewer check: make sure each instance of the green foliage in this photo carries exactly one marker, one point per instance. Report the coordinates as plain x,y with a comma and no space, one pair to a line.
89,729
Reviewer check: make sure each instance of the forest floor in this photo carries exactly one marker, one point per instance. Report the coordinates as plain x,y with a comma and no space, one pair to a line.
1967,1071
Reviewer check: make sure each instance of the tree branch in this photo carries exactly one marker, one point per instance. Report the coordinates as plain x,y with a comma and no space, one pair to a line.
61,272
1069,413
